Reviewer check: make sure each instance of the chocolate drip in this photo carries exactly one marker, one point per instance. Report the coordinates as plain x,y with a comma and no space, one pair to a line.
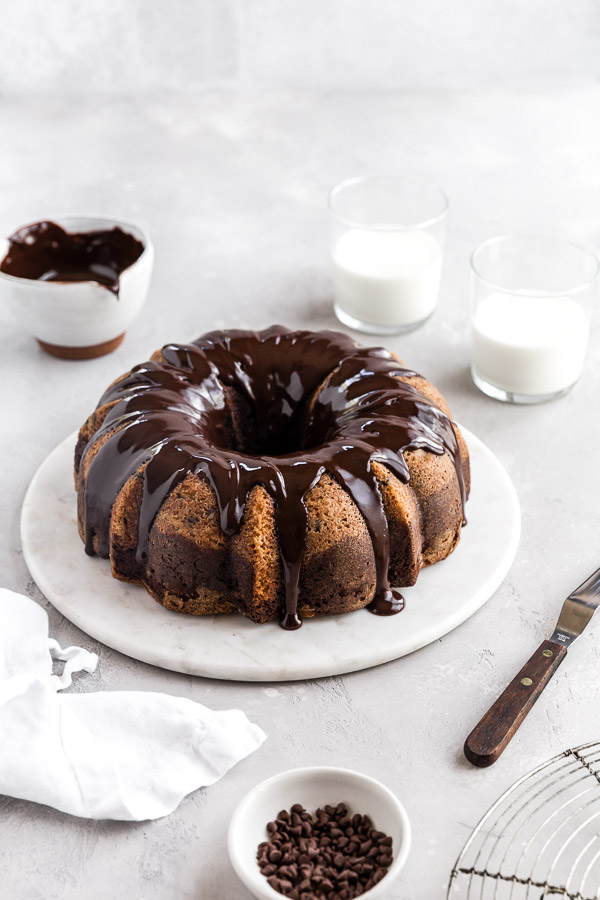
393,602
321,405
46,252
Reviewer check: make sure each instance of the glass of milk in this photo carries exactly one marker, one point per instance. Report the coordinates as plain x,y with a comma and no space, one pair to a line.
532,300
386,243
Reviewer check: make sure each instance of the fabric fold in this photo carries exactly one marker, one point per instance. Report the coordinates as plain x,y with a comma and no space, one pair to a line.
126,755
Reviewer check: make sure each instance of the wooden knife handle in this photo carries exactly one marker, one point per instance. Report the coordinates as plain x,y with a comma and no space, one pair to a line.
491,736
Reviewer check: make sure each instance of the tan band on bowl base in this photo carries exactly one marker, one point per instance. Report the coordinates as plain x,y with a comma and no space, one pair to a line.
90,352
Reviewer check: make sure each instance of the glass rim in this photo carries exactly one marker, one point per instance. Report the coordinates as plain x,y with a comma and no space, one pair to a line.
363,179
505,238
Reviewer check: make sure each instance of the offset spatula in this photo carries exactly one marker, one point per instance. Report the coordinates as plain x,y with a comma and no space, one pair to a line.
491,736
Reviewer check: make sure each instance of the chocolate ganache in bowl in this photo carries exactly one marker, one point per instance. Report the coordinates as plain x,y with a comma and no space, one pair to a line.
76,282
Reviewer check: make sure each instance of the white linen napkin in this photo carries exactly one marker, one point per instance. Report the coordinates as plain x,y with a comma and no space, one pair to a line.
128,755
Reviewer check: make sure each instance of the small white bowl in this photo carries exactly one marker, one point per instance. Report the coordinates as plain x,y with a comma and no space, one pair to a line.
80,320
314,787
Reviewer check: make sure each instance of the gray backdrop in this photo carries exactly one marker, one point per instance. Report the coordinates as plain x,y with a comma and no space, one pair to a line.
149,45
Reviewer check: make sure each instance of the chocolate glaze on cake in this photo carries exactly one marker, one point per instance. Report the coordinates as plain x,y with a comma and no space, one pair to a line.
46,252
318,403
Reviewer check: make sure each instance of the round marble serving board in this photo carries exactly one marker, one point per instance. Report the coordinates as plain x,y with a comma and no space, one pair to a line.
125,617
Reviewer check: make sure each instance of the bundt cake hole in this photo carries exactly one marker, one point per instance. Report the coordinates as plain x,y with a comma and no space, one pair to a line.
257,432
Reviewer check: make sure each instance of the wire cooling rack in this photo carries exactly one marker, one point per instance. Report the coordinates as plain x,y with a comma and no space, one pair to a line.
541,839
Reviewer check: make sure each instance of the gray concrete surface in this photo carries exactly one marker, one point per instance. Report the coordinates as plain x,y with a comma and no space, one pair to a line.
233,191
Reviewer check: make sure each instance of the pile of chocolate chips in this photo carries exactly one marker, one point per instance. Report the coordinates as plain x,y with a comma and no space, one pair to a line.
329,855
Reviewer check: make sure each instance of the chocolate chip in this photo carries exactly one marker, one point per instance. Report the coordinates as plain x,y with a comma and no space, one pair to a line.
330,855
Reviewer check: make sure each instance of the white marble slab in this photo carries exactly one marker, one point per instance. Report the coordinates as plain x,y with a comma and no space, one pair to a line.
126,618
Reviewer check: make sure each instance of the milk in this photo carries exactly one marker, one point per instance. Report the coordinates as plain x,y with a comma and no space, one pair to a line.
529,345
387,277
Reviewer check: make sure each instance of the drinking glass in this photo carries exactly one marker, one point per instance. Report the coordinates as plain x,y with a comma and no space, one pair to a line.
386,244
531,305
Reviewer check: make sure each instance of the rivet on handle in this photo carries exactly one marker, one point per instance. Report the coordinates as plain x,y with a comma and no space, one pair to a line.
527,681
547,653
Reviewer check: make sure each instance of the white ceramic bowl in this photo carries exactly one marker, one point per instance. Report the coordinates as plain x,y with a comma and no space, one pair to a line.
314,787
80,320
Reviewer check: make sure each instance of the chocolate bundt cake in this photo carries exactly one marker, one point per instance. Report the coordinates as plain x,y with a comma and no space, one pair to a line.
279,474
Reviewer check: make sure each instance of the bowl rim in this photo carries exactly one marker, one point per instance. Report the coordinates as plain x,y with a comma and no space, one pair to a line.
43,285
265,891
